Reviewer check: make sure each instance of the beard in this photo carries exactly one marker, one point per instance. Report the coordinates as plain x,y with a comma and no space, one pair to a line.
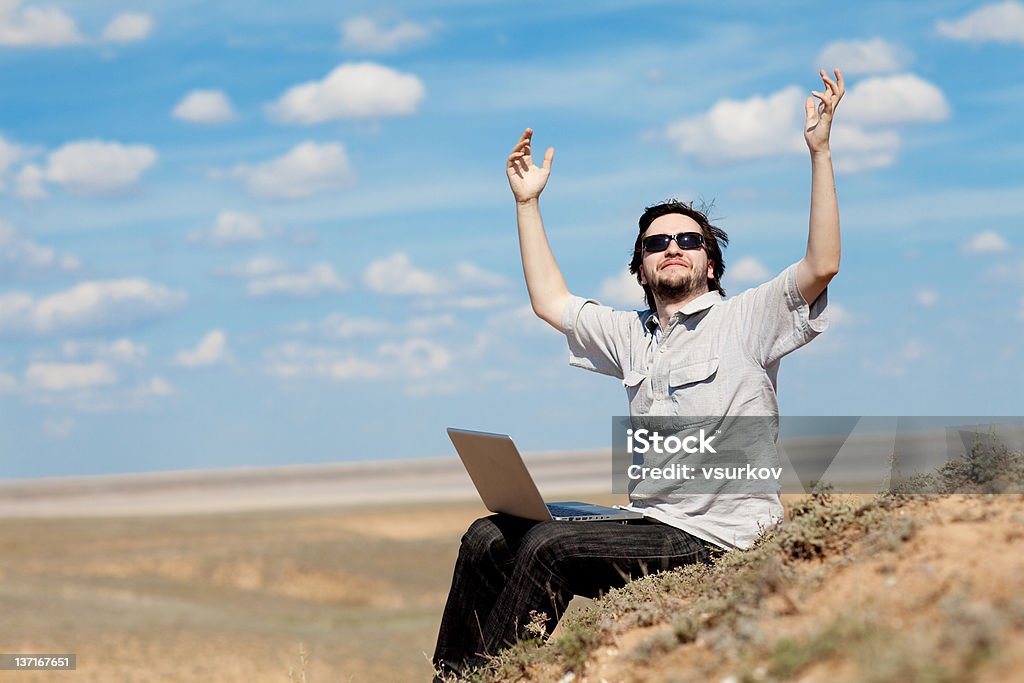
670,287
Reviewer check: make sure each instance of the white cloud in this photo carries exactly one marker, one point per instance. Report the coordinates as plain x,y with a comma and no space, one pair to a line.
859,150
230,227
732,129
526,320
68,376
29,183
351,91
770,125
7,383
622,290
93,377
317,280
839,316
428,324
292,360
122,351
395,275
855,57
212,349
10,154
913,350
305,170
471,275
98,167
840,320
411,358
35,26
205,106
21,257
256,267
417,357
901,98
926,297
472,302
128,27
987,242
15,309
363,34
89,305
748,270
343,326
509,336
157,386
1002,23
896,363
267,276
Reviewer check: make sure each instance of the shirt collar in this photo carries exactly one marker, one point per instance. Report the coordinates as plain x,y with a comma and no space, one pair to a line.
701,303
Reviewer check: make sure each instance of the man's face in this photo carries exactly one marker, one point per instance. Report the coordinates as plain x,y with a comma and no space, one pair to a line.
675,273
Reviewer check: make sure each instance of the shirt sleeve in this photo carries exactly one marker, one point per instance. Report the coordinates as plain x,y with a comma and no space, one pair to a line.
775,320
598,336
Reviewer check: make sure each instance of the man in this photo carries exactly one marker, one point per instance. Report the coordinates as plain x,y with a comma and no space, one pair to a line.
693,353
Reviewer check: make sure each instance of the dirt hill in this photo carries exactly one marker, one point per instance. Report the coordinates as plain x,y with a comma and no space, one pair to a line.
901,587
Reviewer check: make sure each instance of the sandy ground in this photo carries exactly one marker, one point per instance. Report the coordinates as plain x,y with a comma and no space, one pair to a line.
302,486
221,576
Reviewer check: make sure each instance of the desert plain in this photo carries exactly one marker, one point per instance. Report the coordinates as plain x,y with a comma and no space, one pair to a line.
339,572
224,576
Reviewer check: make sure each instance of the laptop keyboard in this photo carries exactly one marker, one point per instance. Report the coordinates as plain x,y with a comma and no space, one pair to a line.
569,511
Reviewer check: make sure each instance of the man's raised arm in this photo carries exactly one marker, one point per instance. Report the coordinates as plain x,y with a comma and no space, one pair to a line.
544,280
821,261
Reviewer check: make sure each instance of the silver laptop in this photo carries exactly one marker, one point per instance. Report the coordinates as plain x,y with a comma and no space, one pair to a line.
505,485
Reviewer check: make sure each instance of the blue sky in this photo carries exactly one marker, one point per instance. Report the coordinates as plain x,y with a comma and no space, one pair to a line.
235,235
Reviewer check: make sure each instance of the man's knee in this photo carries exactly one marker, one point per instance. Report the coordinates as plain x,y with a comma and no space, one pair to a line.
483,540
497,533
547,544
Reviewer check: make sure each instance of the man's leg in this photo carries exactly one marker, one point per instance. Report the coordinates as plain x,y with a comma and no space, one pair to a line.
556,560
486,557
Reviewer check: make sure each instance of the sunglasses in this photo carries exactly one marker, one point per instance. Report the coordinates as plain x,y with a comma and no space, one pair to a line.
684,240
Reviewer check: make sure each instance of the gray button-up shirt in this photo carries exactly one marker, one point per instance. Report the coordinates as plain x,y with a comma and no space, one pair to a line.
718,357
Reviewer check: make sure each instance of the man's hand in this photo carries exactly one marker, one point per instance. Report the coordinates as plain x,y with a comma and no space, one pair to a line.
819,119
526,179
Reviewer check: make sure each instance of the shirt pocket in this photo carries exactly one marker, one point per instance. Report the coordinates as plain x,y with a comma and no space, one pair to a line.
694,389
633,380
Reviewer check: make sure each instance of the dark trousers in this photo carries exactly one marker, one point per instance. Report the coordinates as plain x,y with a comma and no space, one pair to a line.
509,566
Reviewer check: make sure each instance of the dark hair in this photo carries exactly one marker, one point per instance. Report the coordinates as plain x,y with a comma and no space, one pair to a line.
714,240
